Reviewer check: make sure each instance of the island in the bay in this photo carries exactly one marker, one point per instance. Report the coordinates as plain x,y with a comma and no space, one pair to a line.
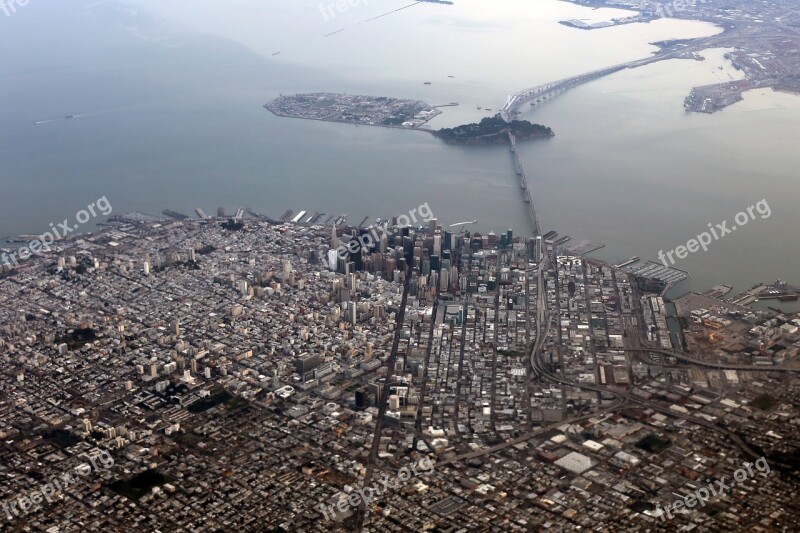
354,109
493,130
399,113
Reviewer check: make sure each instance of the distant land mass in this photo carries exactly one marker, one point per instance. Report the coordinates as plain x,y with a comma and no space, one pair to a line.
492,130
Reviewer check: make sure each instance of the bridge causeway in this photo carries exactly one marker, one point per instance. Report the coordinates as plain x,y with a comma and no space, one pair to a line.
523,184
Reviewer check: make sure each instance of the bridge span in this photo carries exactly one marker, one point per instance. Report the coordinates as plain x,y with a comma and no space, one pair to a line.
523,184
541,93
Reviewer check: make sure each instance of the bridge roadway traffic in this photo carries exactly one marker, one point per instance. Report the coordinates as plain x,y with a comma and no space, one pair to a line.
523,183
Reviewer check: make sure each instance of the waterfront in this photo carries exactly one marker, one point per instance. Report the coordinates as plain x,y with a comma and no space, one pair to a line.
627,167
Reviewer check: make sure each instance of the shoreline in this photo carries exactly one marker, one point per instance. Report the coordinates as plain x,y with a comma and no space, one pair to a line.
333,120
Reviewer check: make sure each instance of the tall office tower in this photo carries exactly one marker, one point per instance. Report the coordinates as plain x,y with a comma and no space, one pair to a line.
194,365
333,259
434,280
352,281
384,243
537,249
444,280
147,268
435,264
394,402
447,240
437,244
175,327
425,267
432,226
153,370
192,256
87,425
408,246
334,238
352,312
221,212
503,241
510,236
362,399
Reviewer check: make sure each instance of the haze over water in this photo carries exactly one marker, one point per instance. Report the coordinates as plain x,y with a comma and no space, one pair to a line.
173,94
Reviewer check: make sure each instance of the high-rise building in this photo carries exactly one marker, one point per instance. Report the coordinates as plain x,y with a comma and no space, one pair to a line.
537,249
334,238
352,312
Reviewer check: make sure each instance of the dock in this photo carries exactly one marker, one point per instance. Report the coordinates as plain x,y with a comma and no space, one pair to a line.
174,214
652,270
627,262
582,248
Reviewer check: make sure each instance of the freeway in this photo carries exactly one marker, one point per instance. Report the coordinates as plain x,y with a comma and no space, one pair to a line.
711,364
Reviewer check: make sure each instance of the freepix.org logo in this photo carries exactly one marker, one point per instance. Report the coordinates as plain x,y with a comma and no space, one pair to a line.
717,231
57,231
371,237
365,496
9,7
329,10
24,503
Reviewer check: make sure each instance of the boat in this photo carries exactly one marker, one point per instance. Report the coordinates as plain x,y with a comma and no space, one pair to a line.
453,103
70,116
427,83
479,108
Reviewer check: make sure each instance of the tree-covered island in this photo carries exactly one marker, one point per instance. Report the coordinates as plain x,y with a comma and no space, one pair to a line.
492,130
